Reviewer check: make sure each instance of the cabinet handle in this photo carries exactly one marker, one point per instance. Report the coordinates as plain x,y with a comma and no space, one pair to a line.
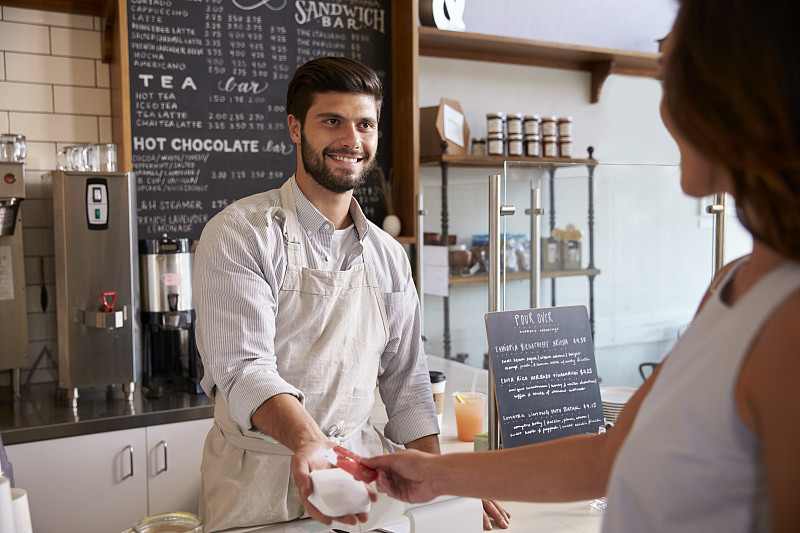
130,453
163,443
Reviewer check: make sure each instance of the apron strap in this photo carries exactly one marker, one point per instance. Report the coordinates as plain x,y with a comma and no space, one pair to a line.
291,229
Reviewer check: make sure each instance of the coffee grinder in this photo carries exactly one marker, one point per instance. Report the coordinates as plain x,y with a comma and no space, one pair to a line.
13,306
171,361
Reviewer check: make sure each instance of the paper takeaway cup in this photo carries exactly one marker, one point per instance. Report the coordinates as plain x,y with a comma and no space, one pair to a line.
6,509
438,382
22,511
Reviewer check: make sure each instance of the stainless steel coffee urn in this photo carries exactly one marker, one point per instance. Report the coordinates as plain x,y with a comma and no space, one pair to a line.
170,358
99,342
13,306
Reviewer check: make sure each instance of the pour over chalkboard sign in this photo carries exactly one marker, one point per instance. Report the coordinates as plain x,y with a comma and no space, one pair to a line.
545,375
208,82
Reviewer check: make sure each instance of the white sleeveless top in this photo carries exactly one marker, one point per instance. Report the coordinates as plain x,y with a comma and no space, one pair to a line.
689,463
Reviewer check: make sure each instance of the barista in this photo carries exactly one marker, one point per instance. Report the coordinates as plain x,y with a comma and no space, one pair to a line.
302,303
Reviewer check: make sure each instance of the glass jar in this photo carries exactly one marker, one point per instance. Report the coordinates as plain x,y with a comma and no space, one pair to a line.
478,146
494,123
495,145
7,147
515,145
549,128
514,124
170,523
565,147
532,125
550,146
533,146
564,126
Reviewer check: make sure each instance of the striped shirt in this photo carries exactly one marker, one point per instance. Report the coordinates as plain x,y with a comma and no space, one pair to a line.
239,268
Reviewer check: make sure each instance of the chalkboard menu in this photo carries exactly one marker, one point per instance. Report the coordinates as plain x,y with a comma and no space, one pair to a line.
545,375
208,94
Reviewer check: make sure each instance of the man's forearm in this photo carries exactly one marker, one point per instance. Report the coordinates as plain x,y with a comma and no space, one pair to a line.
428,444
284,418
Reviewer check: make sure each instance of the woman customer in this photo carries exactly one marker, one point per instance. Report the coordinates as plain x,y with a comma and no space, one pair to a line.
711,442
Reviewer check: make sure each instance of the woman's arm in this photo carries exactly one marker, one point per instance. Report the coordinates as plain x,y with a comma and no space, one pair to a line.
571,468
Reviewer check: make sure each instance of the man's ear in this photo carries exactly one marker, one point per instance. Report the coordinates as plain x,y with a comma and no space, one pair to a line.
295,128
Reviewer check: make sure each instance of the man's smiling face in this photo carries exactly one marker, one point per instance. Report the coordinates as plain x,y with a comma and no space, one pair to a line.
338,139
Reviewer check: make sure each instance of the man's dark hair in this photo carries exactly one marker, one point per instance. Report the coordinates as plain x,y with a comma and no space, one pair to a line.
330,74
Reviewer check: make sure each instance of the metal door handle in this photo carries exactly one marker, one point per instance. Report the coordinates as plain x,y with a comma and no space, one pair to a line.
130,452
163,443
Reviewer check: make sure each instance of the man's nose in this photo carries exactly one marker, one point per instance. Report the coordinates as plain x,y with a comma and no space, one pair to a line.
351,137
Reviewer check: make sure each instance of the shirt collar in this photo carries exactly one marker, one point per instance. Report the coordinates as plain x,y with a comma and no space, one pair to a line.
312,220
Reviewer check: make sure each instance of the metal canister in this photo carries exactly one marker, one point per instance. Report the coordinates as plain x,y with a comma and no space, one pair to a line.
165,268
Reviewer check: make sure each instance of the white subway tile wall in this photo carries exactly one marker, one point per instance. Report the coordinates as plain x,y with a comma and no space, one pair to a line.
54,89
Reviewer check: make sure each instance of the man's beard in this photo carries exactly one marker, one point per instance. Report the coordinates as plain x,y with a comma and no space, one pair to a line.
339,181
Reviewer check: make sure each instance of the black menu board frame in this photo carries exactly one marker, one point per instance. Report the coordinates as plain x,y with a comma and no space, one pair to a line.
208,83
545,376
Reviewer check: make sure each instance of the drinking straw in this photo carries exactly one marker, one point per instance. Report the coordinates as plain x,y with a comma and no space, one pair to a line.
474,381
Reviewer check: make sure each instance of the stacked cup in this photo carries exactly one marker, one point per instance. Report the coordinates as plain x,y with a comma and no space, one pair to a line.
98,157
13,147
15,513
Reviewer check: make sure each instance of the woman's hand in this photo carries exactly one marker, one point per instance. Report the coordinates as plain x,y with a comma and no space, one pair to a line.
406,475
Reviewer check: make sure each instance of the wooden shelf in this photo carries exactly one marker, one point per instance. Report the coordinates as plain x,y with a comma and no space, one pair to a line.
515,276
498,160
599,62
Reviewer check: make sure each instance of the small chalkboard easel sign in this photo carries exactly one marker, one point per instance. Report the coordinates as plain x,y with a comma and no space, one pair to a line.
545,377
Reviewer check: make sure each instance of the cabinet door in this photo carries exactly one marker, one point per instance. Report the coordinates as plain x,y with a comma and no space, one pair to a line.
173,465
91,483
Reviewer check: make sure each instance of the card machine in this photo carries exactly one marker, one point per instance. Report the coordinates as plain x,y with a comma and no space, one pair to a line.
97,203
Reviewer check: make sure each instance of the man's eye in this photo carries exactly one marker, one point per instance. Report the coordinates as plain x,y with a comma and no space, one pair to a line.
367,125
332,121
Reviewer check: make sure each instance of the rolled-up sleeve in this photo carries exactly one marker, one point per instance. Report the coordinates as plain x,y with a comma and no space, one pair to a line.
405,386
237,273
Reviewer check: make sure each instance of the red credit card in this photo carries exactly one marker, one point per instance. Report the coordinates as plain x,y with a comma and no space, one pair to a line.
351,463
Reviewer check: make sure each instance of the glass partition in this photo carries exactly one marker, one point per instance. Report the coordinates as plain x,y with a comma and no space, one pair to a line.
623,240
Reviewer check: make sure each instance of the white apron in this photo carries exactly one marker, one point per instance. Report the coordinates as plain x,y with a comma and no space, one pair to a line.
331,330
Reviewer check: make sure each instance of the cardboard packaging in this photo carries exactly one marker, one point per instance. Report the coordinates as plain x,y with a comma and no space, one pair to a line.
443,122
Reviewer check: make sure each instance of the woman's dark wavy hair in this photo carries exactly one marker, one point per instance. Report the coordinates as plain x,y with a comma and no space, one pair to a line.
732,88
330,74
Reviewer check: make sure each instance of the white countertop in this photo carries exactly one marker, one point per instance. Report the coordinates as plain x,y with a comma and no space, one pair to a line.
573,517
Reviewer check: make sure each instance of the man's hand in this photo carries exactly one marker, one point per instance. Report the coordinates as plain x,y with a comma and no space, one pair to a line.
285,418
306,459
492,509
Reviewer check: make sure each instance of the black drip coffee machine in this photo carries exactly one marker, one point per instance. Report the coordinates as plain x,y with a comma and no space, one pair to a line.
171,361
